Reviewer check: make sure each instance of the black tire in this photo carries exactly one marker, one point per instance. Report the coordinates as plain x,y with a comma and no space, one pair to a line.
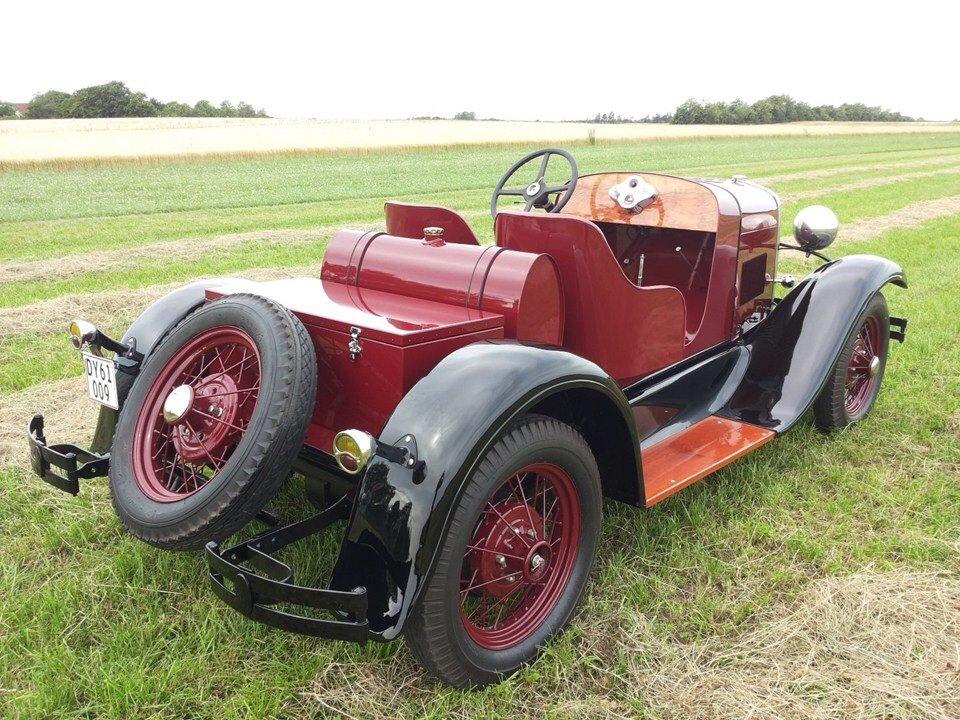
833,409
434,631
264,453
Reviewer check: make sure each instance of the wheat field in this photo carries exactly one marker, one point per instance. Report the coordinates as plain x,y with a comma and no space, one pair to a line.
43,141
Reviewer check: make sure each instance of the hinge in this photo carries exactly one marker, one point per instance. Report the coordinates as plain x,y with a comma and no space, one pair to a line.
354,346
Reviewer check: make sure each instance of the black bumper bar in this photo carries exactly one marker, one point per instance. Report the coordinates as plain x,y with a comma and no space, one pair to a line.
253,593
77,463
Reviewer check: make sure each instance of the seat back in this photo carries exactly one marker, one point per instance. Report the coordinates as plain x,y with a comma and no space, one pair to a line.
627,330
409,220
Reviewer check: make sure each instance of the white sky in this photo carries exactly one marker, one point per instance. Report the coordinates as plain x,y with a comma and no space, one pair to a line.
516,60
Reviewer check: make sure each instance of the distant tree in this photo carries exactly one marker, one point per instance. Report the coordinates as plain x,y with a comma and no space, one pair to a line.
175,109
777,109
7,110
465,115
740,113
112,99
50,104
246,110
686,112
611,118
203,108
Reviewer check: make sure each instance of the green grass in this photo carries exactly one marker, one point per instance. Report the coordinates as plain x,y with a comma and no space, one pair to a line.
96,625
45,212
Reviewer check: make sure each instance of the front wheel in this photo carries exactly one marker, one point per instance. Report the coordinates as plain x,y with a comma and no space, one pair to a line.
515,559
855,379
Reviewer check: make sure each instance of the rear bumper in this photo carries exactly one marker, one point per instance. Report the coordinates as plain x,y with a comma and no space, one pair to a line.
248,579
245,576
75,463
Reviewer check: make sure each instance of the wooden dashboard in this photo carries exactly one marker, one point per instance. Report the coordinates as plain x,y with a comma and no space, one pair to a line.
680,203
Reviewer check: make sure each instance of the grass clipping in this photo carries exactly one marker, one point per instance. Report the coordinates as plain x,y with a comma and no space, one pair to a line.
869,645
860,646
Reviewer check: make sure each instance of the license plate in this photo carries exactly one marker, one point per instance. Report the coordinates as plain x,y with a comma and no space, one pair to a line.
101,380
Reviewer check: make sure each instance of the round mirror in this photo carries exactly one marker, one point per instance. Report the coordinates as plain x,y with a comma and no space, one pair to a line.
815,227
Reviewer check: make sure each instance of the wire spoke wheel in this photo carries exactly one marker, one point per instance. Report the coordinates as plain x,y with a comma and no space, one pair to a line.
195,413
515,558
854,381
520,556
862,367
213,422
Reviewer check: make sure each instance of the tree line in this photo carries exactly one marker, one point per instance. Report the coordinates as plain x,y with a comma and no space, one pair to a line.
115,99
773,109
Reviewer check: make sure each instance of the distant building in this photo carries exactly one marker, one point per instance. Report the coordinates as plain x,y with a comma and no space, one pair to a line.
20,109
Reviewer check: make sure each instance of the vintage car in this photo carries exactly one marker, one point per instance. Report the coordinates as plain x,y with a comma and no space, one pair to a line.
464,408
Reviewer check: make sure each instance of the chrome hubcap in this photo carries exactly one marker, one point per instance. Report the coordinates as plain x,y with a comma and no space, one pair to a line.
178,403
874,367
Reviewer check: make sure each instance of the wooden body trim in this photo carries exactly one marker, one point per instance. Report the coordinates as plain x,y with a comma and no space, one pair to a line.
695,452
680,203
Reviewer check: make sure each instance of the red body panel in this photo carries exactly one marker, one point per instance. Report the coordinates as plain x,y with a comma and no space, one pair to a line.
524,288
627,330
361,394
408,220
413,303
756,265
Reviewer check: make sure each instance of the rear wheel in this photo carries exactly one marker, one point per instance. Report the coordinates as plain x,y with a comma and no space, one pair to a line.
213,423
854,382
515,559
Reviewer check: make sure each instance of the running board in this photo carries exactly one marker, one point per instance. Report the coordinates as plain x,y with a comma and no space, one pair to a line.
695,452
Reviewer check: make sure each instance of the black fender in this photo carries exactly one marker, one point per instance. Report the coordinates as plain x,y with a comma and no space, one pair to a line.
793,350
449,420
149,328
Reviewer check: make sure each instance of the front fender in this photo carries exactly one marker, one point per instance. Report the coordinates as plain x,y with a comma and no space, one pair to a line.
452,417
159,318
793,350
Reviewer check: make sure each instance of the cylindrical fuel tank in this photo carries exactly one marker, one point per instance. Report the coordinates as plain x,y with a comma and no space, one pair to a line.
523,287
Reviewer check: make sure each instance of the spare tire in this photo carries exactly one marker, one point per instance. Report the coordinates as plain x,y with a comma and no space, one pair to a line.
213,423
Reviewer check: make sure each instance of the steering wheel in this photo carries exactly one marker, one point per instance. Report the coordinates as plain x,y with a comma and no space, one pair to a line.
537,193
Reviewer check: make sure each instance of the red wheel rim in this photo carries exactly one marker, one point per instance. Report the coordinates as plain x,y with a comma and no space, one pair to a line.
520,556
863,367
183,439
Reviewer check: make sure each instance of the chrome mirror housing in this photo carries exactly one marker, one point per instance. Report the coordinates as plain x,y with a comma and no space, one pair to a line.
815,227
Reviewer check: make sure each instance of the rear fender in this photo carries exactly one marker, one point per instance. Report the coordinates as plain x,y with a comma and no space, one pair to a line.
448,420
793,350
150,327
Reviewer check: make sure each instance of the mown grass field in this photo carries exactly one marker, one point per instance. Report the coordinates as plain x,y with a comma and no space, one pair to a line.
818,577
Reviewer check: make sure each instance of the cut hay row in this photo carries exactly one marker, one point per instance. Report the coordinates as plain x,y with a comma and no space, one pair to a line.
27,142
121,306
870,645
867,183
185,250
846,168
67,411
861,646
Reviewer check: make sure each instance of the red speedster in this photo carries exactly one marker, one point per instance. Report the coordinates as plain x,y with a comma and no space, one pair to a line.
464,408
